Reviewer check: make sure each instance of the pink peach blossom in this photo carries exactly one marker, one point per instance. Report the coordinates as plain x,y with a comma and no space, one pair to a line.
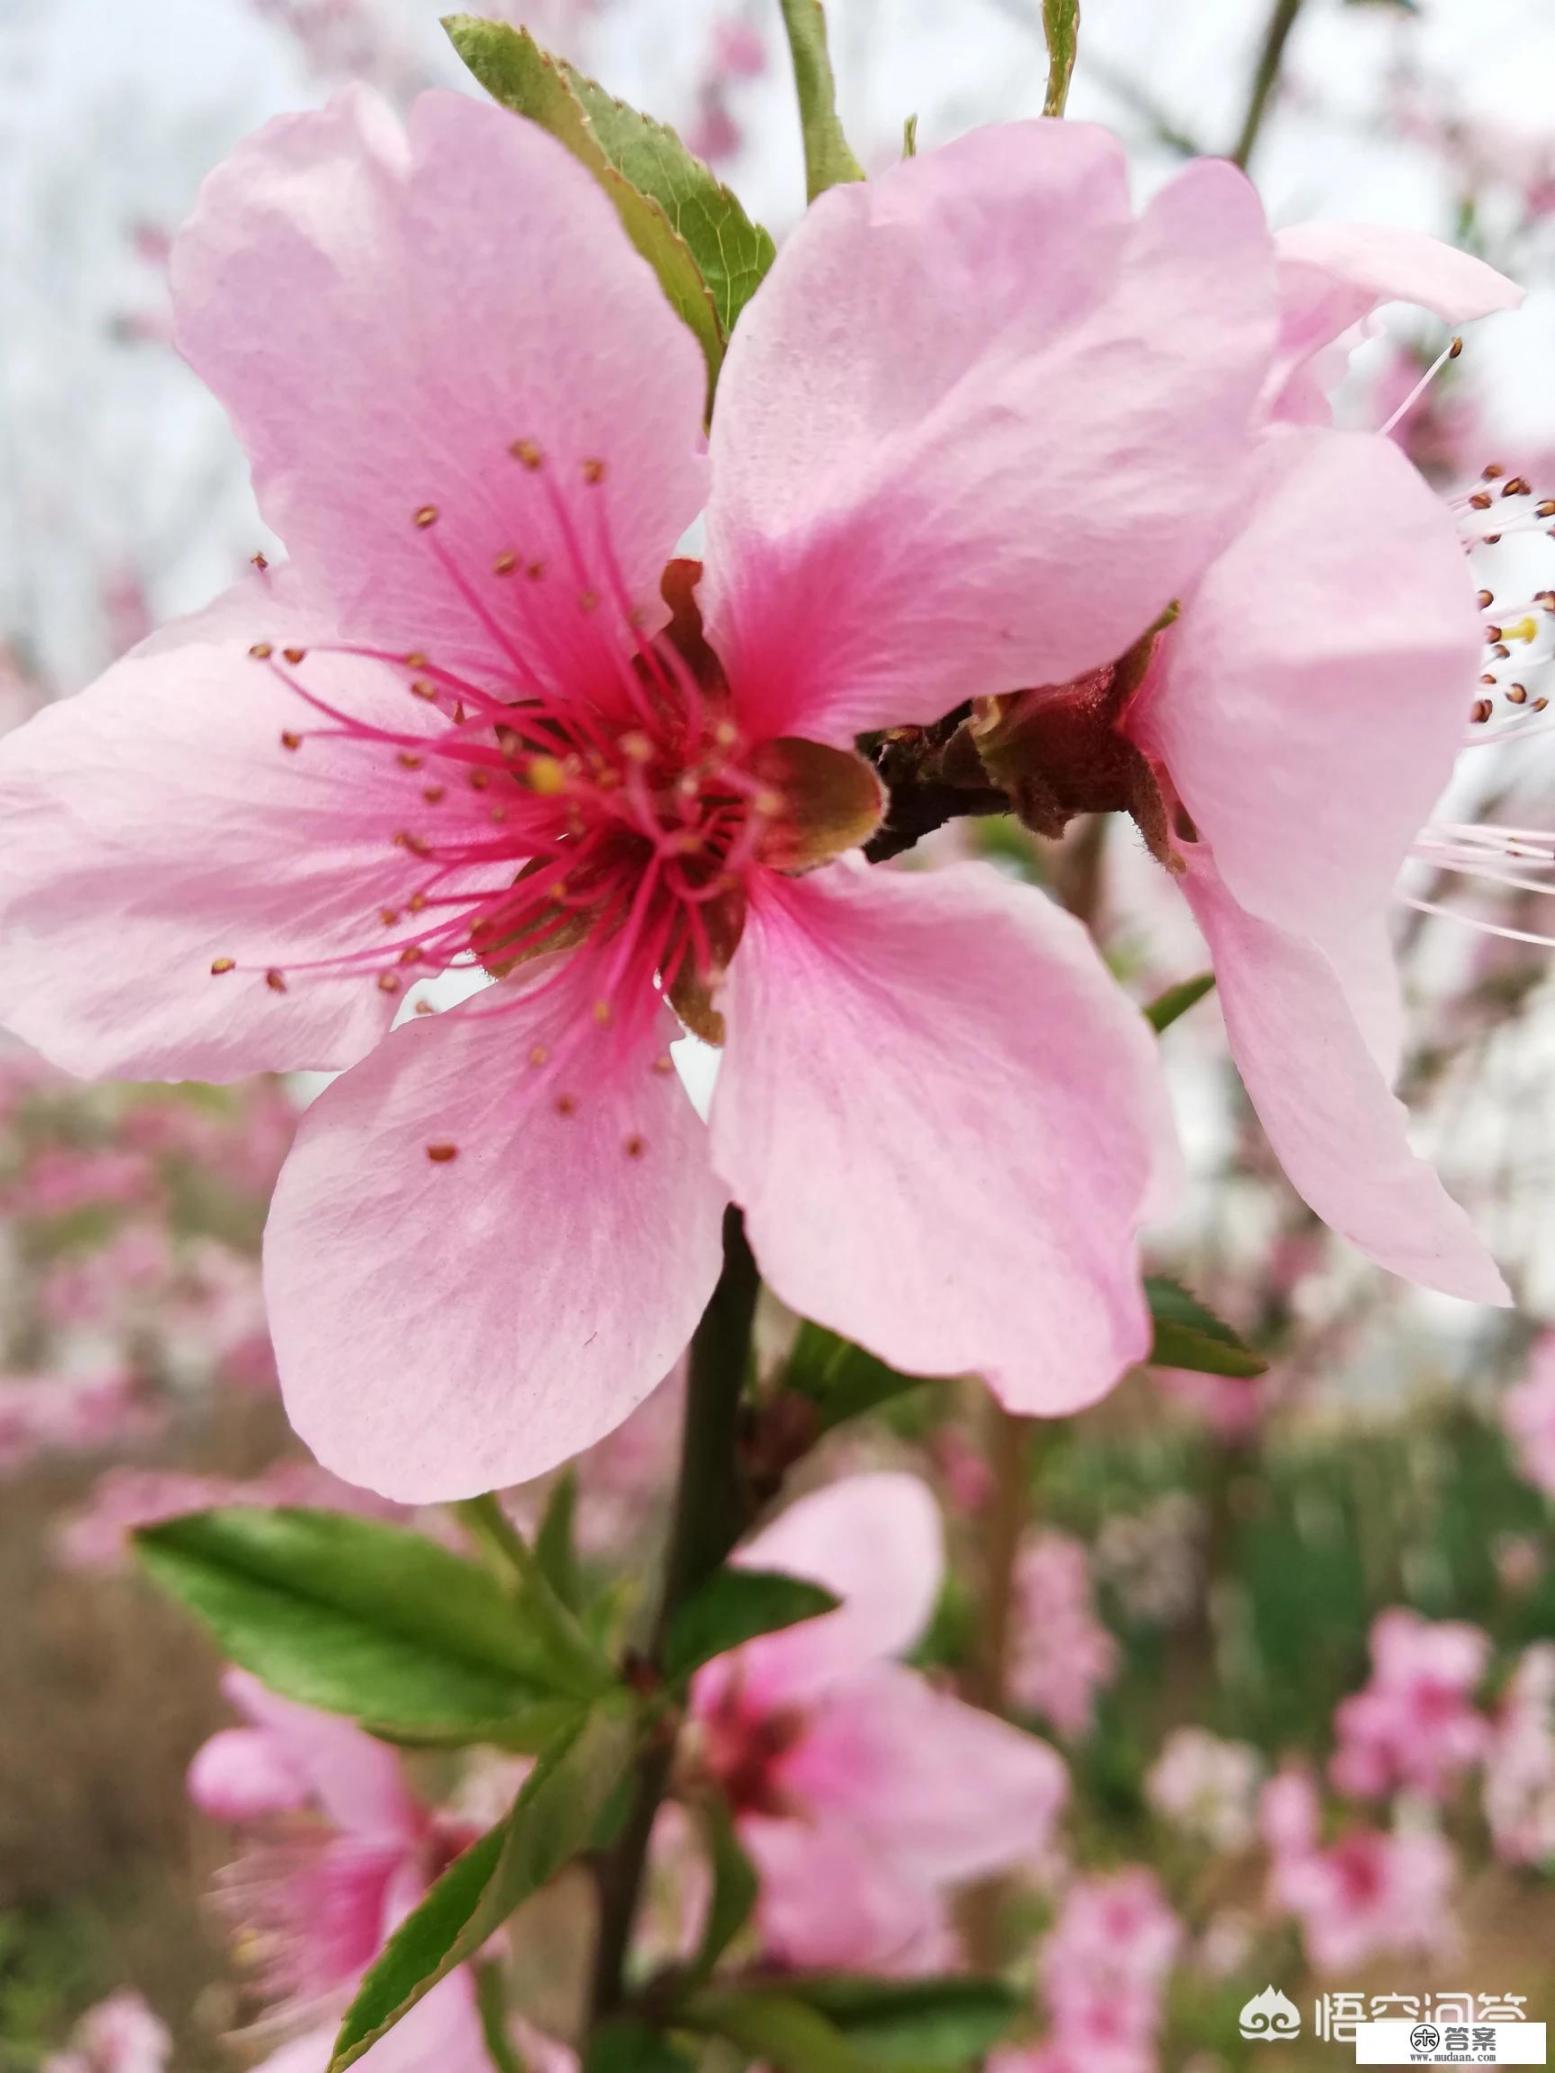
1519,1790
1284,744
119,2035
979,426
1063,1656
1414,1727
1103,1967
1369,1891
862,1793
338,1850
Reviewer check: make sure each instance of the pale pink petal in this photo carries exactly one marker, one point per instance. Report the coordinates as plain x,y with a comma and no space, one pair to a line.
155,823
978,427
243,1773
874,1540
357,1781
385,314
942,1118
1333,275
441,2034
946,1791
1311,700
1336,1128
829,1900
449,1325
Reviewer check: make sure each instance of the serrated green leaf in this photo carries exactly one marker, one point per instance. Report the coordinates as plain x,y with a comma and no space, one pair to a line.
735,1888
553,1819
631,2047
1164,1010
734,1606
709,257
775,2028
919,2022
358,1617
828,159
841,1379
1187,1335
1061,23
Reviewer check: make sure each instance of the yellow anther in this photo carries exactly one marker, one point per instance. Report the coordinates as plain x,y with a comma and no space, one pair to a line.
505,564
544,774
637,746
602,1012
527,452
222,964
1524,629
426,516
261,651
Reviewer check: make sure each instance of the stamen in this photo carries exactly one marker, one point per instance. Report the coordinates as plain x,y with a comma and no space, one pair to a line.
1449,352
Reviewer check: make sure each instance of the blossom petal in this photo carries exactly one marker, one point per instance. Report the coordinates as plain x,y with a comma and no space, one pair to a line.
384,315
942,1119
155,823
1312,698
877,1543
829,1899
1335,1127
466,1284
1333,275
443,2030
978,427
946,1790
357,1781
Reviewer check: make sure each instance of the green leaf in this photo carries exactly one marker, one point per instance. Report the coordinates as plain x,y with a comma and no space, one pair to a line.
1164,1010
919,2022
580,1663
555,1550
827,157
709,257
358,1617
552,1820
777,2029
734,1606
841,1379
631,2047
734,1889
1189,1336
1061,23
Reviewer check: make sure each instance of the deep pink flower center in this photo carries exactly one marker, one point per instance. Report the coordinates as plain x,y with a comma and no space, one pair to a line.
743,1746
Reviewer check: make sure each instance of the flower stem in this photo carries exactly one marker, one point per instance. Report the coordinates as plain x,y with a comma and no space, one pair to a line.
491,2006
1266,77
711,1510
